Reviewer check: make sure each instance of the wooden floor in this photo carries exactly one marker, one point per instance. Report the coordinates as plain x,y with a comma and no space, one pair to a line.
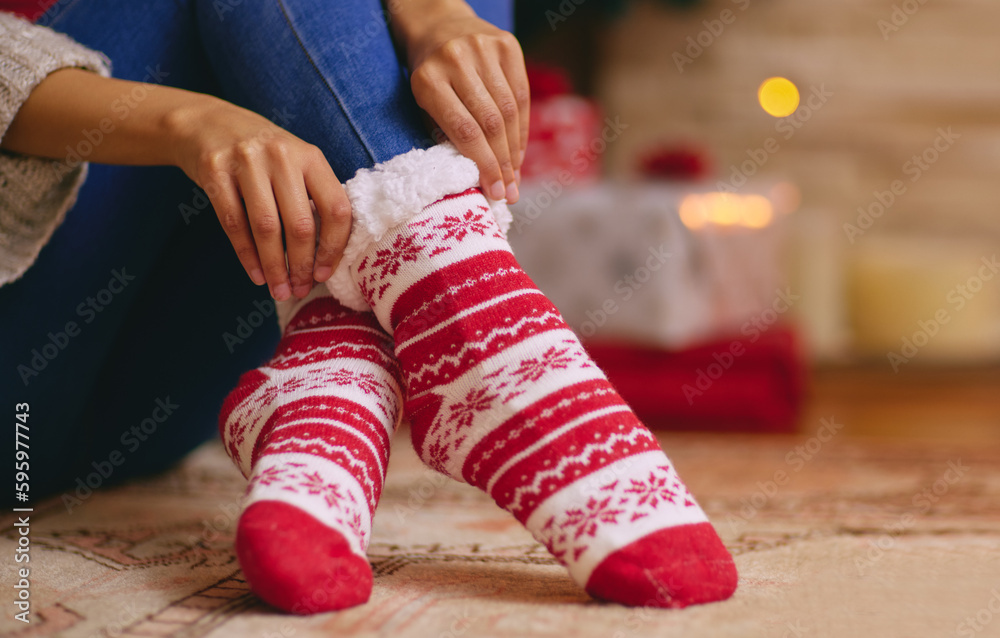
929,403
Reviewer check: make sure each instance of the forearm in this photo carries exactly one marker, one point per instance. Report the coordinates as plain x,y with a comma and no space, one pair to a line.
412,20
75,113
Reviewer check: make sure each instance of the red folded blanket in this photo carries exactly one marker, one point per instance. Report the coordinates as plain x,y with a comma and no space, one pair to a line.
728,385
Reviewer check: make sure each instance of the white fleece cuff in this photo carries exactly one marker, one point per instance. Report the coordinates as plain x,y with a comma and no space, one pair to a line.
395,192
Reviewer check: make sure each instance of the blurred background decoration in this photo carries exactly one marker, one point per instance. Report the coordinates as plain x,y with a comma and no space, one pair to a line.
810,184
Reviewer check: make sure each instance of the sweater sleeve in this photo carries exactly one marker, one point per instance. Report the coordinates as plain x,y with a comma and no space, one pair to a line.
35,192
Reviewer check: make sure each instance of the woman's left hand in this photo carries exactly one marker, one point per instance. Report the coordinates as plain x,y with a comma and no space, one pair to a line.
469,76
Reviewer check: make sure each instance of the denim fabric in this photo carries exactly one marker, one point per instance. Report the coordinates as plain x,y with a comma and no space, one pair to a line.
137,318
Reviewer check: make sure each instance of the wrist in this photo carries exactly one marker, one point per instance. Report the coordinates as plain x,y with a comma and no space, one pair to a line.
184,124
413,21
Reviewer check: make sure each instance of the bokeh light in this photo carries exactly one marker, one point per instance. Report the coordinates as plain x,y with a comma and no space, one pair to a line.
699,210
757,211
779,97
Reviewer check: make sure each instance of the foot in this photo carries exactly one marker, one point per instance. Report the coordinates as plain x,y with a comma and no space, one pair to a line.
311,430
501,394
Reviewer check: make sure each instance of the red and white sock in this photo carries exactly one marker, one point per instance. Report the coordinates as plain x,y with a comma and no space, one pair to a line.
311,430
501,394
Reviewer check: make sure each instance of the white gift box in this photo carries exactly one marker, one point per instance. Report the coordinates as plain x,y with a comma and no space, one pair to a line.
621,262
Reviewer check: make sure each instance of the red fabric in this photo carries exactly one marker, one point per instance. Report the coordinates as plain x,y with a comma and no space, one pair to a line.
296,563
760,391
502,395
30,9
340,412
659,559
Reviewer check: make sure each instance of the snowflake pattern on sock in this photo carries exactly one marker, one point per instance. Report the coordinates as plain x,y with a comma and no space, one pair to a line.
501,393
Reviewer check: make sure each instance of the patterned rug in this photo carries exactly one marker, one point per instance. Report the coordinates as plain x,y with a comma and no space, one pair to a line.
832,537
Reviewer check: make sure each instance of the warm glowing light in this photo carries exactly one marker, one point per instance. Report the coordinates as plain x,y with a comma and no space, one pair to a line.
778,97
724,209
786,197
693,212
699,210
757,212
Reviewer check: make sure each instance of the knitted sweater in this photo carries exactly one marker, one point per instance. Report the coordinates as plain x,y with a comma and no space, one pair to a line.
35,193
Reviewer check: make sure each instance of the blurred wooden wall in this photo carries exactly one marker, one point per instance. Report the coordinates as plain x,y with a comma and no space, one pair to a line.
891,92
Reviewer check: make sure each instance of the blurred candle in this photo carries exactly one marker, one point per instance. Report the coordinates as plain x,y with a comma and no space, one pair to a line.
938,294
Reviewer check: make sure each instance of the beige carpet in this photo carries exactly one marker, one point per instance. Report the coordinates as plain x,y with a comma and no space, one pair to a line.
848,545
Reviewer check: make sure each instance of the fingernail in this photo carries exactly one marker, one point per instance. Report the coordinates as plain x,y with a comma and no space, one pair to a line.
282,292
322,273
512,192
302,290
517,176
257,276
497,191
522,156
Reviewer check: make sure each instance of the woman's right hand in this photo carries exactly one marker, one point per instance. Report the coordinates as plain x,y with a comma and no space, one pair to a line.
260,179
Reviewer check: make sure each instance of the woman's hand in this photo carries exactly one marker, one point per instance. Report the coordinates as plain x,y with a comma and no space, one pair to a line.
470,78
260,180
259,177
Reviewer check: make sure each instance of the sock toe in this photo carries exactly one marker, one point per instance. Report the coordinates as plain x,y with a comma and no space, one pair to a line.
673,567
297,564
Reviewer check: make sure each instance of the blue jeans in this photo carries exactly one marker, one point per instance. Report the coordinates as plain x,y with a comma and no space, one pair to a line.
137,319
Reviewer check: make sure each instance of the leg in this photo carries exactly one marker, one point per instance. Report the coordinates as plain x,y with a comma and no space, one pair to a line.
102,267
501,394
326,71
311,430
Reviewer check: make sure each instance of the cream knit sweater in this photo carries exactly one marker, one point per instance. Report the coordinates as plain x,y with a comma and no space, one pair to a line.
35,193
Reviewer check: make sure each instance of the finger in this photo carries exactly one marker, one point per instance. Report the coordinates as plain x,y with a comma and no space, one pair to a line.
299,227
517,78
225,198
462,129
265,224
498,87
435,95
334,212
480,104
